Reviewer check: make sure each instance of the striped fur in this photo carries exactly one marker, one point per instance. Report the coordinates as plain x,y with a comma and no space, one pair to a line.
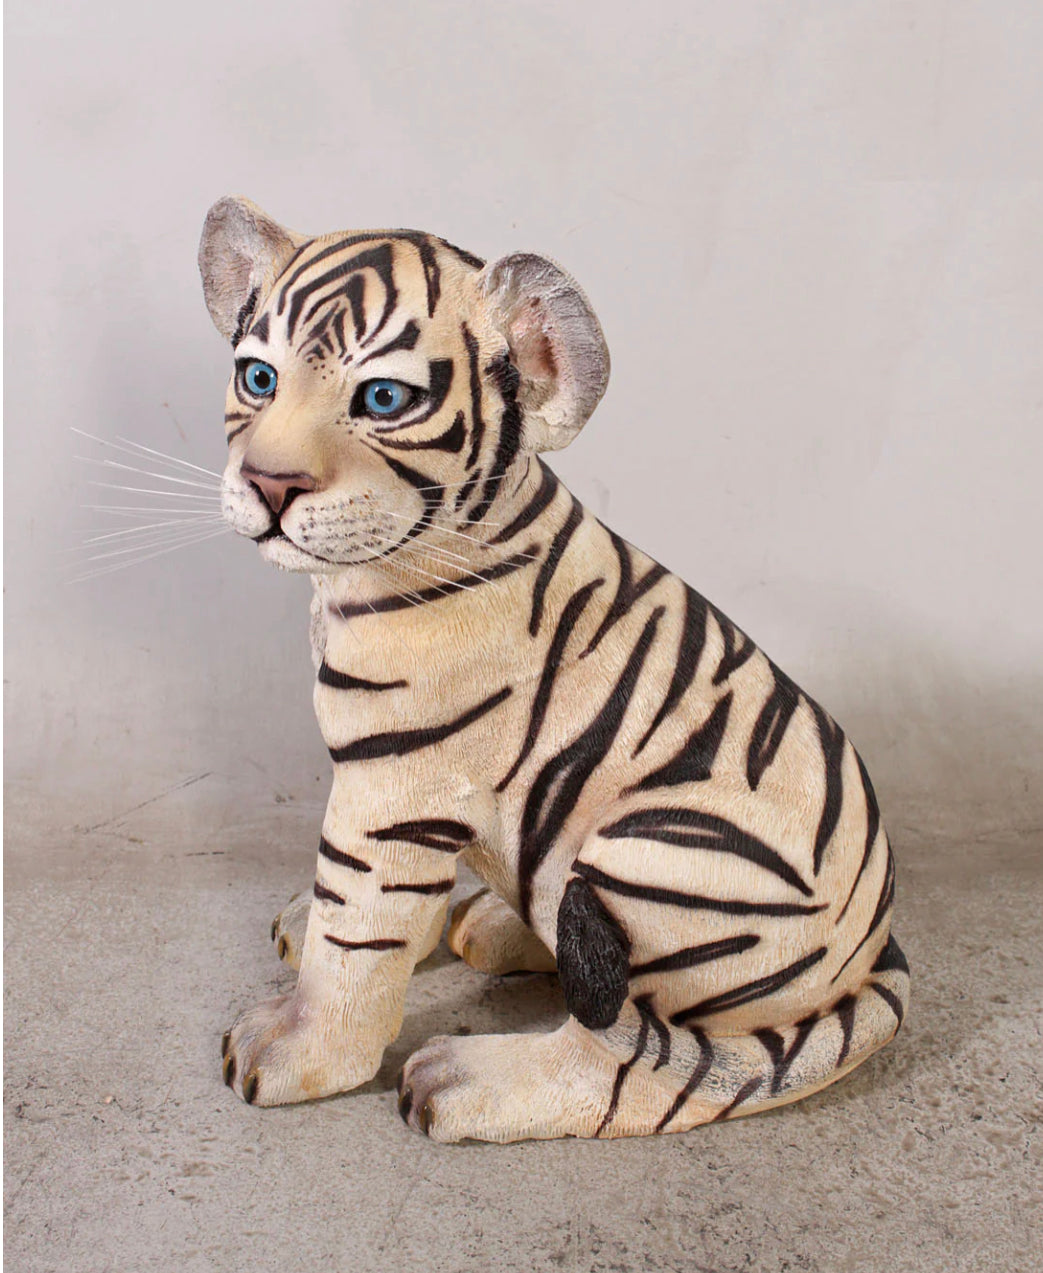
501,677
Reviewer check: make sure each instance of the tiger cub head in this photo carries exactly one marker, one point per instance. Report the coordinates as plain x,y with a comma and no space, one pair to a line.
386,383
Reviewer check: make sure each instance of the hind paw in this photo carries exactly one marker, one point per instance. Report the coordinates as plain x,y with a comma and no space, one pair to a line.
489,936
505,1087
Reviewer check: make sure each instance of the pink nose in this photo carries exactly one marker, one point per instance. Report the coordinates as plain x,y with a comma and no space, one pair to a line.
278,490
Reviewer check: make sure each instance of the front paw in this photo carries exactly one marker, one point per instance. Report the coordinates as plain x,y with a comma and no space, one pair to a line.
282,1051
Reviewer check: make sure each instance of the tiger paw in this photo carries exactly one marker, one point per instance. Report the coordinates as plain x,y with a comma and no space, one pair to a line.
282,1052
490,937
505,1087
289,927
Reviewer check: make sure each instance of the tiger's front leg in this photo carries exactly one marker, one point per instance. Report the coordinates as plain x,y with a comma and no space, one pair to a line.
380,890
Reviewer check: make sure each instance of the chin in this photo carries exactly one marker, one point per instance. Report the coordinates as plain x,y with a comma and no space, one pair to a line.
285,555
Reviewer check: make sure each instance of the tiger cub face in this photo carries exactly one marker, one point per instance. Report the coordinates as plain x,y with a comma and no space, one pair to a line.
385,383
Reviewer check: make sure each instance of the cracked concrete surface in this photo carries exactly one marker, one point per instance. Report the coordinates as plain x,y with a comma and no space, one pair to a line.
135,933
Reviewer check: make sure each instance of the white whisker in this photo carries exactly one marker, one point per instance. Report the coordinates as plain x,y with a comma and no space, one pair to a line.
129,510
174,537
194,522
408,555
459,534
162,477
107,570
168,459
142,490
444,529
437,547
450,486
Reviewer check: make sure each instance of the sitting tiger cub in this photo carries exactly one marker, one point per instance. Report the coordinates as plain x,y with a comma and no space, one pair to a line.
657,810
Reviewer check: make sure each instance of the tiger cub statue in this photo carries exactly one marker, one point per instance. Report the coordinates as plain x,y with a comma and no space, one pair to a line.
658,811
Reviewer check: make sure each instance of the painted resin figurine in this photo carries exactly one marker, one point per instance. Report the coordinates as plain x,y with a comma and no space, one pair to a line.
657,810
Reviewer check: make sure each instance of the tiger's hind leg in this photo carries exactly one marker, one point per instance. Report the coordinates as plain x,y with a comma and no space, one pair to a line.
491,938
617,1069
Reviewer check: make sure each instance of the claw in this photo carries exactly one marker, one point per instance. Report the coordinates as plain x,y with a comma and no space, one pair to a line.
226,1039
229,1070
250,1087
405,1104
275,928
424,1118
283,947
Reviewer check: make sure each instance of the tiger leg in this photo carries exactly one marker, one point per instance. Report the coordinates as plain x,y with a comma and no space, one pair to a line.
379,902
291,924
489,936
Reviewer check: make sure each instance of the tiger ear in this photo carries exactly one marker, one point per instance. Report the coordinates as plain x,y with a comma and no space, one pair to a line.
241,254
555,342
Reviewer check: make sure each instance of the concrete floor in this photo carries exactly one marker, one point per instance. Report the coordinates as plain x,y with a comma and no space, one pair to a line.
134,935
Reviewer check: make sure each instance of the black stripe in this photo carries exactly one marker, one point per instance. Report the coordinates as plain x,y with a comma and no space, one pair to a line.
325,894
406,339
430,833
627,591
770,727
477,423
891,999
464,493
750,991
355,294
260,329
382,605
702,1068
439,886
544,494
338,330
569,617
507,381
691,956
691,829
468,258
550,564
691,901
381,943
883,905
452,440
845,1011
402,742
243,317
379,259
781,1057
737,648
621,1073
743,1094
343,681
689,651
239,428
891,958
643,1003
559,783
694,762
872,827
340,857
833,743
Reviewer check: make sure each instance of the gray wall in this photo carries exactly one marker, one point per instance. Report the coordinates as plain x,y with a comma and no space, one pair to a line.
811,230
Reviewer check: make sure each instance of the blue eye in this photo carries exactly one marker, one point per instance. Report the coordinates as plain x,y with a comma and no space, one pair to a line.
260,379
383,398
